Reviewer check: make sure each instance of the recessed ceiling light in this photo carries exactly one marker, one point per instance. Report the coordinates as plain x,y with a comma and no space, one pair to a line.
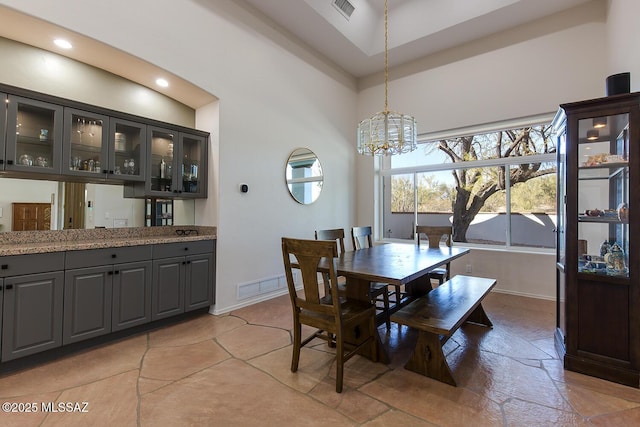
162,82
63,43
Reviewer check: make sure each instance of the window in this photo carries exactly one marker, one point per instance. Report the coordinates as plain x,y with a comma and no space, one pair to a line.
495,188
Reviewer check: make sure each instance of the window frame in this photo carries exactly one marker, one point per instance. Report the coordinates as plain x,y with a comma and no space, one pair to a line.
384,170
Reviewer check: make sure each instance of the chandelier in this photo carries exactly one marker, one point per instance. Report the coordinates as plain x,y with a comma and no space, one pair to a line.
387,132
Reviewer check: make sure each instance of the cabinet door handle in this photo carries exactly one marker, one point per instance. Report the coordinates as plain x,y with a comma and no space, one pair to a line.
188,262
9,162
116,272
8,287
1,162
114,256
109,273
4,267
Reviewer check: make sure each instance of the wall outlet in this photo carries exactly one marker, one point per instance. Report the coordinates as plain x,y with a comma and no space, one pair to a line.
468,268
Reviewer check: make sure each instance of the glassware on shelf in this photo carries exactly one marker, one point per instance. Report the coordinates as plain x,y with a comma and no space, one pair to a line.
615,261
623,212
26,160
120,141
76,163
41,161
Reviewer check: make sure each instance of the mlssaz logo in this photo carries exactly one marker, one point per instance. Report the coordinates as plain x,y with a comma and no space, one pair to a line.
65,406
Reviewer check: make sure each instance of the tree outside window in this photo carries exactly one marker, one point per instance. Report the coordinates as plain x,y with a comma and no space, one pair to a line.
499,188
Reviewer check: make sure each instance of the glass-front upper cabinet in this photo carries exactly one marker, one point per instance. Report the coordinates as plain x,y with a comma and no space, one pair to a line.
86,137
161,165
176,164
33,136
192,155
3,128
127,150
603,194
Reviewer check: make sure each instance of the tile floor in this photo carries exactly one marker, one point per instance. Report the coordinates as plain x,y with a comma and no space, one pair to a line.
233,370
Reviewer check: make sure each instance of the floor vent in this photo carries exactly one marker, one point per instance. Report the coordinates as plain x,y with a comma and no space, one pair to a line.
344,7
263,286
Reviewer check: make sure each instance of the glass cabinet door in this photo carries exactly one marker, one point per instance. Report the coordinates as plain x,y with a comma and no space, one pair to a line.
603,195
561,225
3,129
86,139
161,167
192,152
127,142
34,142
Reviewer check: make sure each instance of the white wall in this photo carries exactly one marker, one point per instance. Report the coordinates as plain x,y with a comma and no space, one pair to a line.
623,37
270,102
42,71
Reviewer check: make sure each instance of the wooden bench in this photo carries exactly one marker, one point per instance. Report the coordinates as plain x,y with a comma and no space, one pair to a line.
437,315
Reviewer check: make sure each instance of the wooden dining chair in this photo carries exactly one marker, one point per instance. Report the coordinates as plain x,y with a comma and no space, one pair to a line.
435,235
379,292
337,319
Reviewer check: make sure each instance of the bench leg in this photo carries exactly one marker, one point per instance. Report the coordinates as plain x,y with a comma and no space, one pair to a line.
428,359
479,316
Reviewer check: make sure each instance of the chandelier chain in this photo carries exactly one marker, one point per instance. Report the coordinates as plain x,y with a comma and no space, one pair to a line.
386,57
387,132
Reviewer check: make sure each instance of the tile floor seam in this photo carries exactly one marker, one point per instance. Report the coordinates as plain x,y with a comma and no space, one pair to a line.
608,414
229,354
505,421
586,417
138,394
189,375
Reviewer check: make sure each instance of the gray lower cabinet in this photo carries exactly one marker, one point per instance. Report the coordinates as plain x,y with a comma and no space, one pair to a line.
31,314
1,303
131,304
87,303
168,287
104,295
31,299
54,299
198,281
183,277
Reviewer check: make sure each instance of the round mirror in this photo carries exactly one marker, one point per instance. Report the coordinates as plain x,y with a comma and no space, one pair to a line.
304,176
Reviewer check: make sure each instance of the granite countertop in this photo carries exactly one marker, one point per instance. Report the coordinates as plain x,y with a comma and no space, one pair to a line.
33,242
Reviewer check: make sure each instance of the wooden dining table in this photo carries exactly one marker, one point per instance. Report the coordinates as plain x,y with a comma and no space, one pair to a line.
393,263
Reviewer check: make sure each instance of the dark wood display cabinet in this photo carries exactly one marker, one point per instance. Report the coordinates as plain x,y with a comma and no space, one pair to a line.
598,238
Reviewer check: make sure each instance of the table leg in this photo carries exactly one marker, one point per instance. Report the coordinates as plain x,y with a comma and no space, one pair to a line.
418,287
359,290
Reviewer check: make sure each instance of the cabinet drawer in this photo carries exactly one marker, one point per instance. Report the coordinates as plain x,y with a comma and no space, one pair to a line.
98,257
169,250
17,265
